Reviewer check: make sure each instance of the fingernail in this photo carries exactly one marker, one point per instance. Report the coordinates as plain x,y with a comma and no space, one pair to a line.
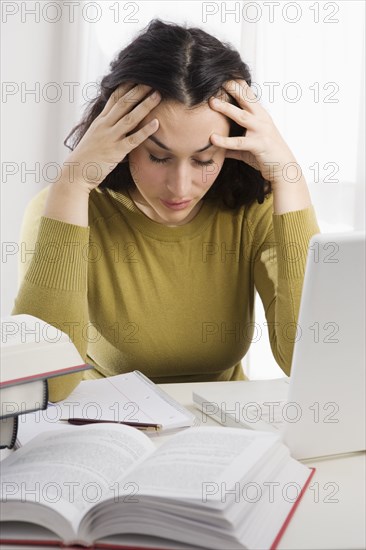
154,122
215,102
155,95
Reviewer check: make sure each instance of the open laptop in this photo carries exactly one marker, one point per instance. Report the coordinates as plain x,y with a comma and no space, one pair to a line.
320,409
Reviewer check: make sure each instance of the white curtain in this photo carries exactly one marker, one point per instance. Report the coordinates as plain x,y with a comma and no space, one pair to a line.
41,95
308,65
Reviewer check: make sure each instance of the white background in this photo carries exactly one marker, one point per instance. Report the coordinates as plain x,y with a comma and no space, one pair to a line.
310,54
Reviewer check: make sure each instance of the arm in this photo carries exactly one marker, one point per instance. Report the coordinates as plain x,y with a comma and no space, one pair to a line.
104,145
54,285
282,228
263,148
279,257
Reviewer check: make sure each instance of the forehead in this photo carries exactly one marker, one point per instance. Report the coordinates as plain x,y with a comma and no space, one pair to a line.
183,129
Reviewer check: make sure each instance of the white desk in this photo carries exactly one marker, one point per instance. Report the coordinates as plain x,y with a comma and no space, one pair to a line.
332,512
318,523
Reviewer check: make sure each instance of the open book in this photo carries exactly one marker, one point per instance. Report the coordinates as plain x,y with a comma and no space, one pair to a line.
109,486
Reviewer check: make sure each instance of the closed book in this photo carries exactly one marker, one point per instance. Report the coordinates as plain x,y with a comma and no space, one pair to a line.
8,432
23,398
32,349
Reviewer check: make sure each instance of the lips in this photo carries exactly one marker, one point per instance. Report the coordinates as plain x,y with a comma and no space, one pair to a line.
176,205
177,202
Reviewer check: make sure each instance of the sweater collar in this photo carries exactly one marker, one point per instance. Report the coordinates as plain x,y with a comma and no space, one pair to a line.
157,230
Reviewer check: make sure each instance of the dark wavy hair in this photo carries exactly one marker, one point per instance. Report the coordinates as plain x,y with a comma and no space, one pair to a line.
185,65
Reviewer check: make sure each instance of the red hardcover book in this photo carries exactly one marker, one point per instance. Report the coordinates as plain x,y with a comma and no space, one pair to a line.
110,486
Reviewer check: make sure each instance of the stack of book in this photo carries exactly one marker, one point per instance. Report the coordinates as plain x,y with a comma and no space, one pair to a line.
31,352
108,485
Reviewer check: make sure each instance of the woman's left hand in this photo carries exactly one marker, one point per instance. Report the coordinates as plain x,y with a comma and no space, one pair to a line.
262,146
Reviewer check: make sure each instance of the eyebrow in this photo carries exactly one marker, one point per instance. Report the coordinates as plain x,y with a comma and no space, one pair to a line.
155,140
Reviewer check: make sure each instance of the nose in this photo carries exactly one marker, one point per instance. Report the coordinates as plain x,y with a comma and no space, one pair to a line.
180,182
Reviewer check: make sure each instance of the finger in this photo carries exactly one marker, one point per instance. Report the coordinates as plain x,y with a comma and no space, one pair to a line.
123,99
240,116
127,103
134,140
132,119
116,95
240,89
236,143
242,92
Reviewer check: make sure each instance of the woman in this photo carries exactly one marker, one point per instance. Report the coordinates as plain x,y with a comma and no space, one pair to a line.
170,211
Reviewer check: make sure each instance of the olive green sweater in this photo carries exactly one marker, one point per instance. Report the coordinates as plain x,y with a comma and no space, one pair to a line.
176,303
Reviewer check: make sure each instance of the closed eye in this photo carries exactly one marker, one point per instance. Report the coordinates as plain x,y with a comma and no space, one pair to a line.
163,161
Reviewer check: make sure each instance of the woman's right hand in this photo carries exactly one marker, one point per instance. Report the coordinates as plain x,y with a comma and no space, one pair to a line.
109,138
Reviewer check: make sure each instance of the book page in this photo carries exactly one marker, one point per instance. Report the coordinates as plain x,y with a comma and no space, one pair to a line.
125,397
69,472
201,455
128,397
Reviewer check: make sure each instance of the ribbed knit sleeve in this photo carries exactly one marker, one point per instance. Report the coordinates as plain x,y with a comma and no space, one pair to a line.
282,242
54,287
60,256
293,232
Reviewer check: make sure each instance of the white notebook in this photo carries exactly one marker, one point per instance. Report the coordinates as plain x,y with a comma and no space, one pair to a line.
130,397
